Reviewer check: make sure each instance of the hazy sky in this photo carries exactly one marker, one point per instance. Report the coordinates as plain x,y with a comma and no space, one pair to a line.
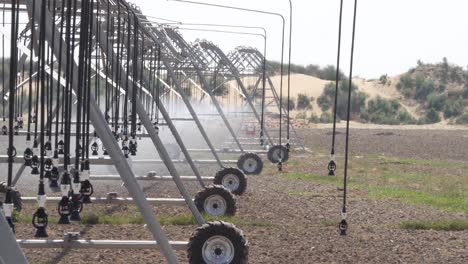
391,34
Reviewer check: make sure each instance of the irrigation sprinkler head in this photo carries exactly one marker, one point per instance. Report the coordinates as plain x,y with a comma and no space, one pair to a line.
76,207
28,155
19,121
48,166
94,149
126,151
331,168
139,127
64,210
35,165
61,147
79,149
343,227
40,221
133,147
86,191
33,118
54,177
48,149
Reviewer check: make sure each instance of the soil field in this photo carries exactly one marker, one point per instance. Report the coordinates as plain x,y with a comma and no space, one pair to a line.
396,177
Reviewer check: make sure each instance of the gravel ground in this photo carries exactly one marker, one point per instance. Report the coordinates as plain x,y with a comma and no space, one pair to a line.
295,228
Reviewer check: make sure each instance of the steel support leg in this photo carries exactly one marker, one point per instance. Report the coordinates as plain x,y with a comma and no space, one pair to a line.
10,251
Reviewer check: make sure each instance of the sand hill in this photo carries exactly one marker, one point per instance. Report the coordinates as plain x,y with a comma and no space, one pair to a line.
313,87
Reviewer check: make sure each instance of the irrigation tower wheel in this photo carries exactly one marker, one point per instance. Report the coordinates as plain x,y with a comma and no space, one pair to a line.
278,153
15,196
216,243
250,164
232,179
216,200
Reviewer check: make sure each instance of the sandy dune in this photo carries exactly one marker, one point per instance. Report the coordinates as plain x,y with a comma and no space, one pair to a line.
313,87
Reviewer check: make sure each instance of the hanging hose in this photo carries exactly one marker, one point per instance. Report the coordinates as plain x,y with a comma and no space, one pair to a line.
262,121
40,218
280,163
4,127
332,163
343,224
158,88
125,115
86,187
64,206
53,180
117,75
8,205
288,146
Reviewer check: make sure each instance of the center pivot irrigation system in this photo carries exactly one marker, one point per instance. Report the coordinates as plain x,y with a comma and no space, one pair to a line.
85,82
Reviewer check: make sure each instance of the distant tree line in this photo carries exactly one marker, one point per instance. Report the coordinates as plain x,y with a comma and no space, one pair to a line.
325,73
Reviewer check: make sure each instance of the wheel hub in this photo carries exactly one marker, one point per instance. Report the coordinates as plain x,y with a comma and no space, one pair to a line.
218,249
231,182
215,205
250,165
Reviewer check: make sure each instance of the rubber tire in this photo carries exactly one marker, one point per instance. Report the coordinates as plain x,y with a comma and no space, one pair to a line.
218,228
228,197
15,196
218,180
246,156
273,149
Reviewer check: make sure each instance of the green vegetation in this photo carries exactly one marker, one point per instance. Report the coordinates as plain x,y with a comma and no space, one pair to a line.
383,80
327,99
432,116
303,102
378,110
328,222
416,86
314,178
441,225
463,119
292,104
324,73
325,118
454,108
381,177
436,87
314,119
439,89
388,112
301,115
